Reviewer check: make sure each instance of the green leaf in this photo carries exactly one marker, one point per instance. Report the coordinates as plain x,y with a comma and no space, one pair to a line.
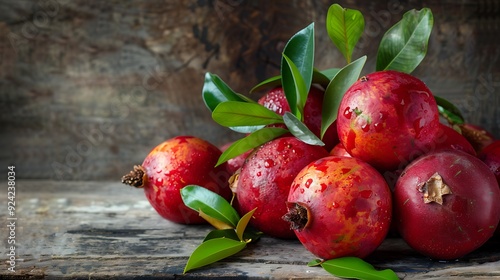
220,233
344,26
218,224
216,91
404,45
251,141
356,268
322,78
329,74
300,51
294,86
242,224
236,113
315,262
449,111
336,90
213,250
300,130
201,199
267,83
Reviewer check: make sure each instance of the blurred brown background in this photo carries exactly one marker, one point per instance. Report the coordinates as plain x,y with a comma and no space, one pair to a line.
88,88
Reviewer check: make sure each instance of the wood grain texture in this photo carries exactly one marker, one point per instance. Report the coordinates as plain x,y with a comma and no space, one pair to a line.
107,230
87,88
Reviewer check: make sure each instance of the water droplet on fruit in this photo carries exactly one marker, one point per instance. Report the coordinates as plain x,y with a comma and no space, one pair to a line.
365,127
268,163
366,193
258,174
159,182
379,202
301,190
348,112
335,205
378,127
308,183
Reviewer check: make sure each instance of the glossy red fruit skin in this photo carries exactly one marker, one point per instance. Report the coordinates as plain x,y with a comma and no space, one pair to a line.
490,155
275,101
339,150
464,221
448,138
386,118
175,163
265,178
349,204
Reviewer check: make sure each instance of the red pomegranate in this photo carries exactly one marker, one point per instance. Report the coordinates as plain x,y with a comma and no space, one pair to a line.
387,118
339,206
173,164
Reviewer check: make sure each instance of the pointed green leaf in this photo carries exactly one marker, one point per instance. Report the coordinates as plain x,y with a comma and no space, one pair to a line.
300,130
322,78
242,224
449,111
298,52
336,90
294,86
356,268
251,141
220,233
314,262
329,74
213,250
236,113
199,198
218,224
404,45
216,91
267,83
344,26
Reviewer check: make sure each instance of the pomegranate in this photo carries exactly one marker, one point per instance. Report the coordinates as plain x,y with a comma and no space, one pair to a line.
448,138
339,150
173,164
477,136
446,204
490,155
265,178
339,206
386,118
275,100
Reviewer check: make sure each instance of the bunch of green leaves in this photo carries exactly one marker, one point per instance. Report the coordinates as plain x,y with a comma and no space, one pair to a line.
230,235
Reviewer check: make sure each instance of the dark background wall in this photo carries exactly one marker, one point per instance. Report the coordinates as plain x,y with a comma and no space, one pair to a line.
87,88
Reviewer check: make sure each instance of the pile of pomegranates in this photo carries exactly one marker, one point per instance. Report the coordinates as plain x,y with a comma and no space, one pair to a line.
386,160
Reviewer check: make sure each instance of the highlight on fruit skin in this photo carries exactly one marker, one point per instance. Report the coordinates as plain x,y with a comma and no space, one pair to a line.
173,164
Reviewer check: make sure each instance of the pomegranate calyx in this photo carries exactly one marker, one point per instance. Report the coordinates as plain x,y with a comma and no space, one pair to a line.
135,178
434,189
297,216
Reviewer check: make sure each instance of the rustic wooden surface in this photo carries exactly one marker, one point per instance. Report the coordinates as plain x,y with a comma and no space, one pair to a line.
87,88
106,230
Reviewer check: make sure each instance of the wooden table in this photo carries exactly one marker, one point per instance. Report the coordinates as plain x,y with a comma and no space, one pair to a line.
103,230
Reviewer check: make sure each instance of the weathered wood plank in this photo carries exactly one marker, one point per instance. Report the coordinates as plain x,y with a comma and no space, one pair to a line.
103,230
